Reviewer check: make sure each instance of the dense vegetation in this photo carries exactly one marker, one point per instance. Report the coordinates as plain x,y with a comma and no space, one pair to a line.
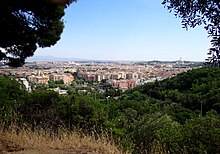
176,115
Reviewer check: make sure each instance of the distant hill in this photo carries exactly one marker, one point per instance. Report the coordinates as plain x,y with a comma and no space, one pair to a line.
52,58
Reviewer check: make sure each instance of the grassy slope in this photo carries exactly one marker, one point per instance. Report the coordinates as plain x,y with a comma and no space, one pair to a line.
28,142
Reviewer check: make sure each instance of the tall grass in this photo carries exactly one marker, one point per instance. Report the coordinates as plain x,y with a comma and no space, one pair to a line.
40,140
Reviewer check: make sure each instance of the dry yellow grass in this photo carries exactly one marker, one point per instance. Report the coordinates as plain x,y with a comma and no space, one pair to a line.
37,142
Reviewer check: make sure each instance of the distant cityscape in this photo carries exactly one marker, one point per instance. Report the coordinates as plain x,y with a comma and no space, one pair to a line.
120,75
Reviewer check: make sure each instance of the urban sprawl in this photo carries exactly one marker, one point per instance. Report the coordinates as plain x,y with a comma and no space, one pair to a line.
119,75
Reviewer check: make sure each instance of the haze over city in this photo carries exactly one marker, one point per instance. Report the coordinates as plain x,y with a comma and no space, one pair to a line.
126,30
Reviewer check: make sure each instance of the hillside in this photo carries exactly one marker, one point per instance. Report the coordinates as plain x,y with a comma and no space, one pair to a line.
29,142
191,90
176,115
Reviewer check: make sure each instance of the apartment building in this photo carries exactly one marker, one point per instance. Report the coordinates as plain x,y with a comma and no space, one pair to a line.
39,79
124,84
67,77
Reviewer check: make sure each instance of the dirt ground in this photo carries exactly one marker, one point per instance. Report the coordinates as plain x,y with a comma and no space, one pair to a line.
11,148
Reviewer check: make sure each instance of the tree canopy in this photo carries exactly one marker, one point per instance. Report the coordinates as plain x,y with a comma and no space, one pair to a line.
198,12
26,25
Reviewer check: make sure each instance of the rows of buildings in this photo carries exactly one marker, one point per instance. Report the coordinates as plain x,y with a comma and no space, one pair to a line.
43,78
122,75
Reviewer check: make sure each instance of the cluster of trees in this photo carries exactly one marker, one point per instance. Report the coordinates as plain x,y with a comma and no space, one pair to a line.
177,115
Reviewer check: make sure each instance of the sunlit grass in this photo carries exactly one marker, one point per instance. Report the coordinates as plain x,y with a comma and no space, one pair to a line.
63,141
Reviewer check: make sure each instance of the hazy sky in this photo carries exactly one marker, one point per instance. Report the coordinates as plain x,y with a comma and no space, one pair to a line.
126,30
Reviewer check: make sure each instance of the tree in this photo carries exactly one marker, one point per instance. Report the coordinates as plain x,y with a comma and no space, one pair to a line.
26,25
11,96
145,135
202,134
40,109
198,12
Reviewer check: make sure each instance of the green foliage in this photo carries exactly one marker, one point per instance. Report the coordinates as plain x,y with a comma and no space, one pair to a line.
27,24
197,135
11,94
202,134
170,138
82,112
55,84
110,92
145,132
40,109
169,116
40,86
192,89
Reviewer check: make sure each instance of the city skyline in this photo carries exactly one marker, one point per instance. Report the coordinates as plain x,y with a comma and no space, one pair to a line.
136,30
